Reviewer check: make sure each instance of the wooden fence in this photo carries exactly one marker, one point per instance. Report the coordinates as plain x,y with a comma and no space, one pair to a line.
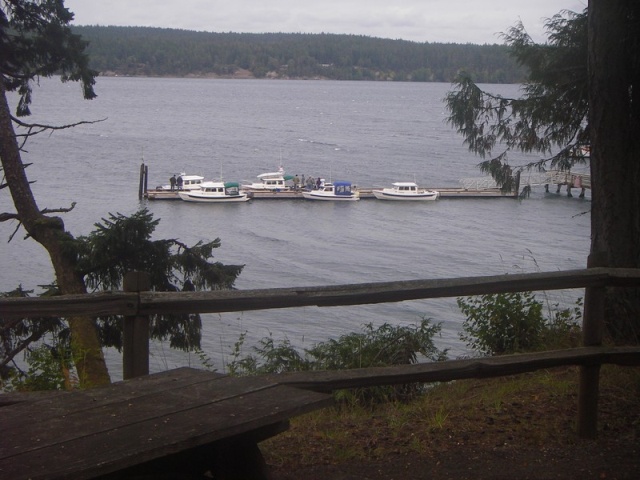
136,303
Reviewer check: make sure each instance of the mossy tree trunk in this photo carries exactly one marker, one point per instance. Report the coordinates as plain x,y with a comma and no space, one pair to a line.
49,231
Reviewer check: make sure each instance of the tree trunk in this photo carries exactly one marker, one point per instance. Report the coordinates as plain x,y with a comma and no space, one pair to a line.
50,233
614,116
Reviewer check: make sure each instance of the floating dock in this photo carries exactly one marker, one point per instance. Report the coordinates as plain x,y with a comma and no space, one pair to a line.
365,194
471,187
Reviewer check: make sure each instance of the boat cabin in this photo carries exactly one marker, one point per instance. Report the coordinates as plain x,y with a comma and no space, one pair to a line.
190,182
273,183
406,187
227,188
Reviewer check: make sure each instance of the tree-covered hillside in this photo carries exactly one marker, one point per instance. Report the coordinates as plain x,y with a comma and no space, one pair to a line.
169,52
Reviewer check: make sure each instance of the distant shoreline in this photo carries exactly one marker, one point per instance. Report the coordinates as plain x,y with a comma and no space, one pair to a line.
238,75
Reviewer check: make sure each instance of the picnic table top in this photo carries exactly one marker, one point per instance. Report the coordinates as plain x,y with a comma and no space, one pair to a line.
84,434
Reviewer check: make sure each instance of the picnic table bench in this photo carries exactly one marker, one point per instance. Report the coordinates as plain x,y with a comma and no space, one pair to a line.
167,425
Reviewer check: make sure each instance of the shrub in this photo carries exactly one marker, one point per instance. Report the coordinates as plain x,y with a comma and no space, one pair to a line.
385,345
379,347
49,369
514,322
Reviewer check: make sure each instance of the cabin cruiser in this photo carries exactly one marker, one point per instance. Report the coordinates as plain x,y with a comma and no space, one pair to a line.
336,191
215,192
405,191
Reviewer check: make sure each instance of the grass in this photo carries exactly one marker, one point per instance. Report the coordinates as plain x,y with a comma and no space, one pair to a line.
535,411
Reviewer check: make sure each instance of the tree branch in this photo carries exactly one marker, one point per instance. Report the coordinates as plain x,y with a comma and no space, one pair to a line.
36,128
5,217
58,210
20,346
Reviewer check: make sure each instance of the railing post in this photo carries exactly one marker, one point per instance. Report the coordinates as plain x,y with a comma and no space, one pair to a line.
592,334
135,334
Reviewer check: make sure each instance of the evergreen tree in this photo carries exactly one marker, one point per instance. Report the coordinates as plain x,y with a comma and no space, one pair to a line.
551,116
121,244
36,41
581,96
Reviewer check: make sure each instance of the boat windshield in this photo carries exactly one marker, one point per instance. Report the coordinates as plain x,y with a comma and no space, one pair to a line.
232,188
342,188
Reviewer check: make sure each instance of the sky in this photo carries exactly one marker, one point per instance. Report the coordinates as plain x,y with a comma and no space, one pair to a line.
447,21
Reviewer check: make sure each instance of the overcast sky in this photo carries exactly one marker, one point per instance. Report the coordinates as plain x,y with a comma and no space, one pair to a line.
451,21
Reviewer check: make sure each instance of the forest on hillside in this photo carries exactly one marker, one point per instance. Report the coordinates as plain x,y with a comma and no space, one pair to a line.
146,51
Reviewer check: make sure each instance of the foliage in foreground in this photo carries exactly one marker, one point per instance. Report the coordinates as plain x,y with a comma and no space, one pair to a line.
495,325
121,244
385,345
506,323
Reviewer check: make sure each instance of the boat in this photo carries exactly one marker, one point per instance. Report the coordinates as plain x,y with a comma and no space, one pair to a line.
184,182
336,191
215,192
405,191
270,181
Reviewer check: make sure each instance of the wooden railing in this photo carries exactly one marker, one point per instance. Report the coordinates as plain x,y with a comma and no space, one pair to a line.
136,303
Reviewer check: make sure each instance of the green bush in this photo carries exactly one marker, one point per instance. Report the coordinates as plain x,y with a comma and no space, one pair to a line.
385,345
49,369
514,322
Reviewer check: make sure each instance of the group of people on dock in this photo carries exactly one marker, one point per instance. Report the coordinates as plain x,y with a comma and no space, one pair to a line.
300,181
176,183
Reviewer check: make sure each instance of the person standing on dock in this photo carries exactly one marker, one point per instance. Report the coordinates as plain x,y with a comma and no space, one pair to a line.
172,181
180,182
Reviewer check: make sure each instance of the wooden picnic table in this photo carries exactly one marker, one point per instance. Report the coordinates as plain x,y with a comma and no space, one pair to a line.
167,425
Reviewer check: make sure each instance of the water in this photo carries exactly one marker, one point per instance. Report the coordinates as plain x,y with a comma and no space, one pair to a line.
369,133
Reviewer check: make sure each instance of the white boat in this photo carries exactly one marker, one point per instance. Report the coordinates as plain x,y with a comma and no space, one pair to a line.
215,192
270,181
336,191
405,191
189,182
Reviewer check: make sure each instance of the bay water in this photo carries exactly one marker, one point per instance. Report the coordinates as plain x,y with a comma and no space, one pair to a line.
371,133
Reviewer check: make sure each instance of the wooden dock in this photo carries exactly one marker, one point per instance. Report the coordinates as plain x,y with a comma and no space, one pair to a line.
483,187
365,194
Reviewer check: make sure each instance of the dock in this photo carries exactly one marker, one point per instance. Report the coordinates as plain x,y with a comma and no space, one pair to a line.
484,187
365,194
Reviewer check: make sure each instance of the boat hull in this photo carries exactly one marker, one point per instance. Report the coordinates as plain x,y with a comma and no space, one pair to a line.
329,198
410,197
199,198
